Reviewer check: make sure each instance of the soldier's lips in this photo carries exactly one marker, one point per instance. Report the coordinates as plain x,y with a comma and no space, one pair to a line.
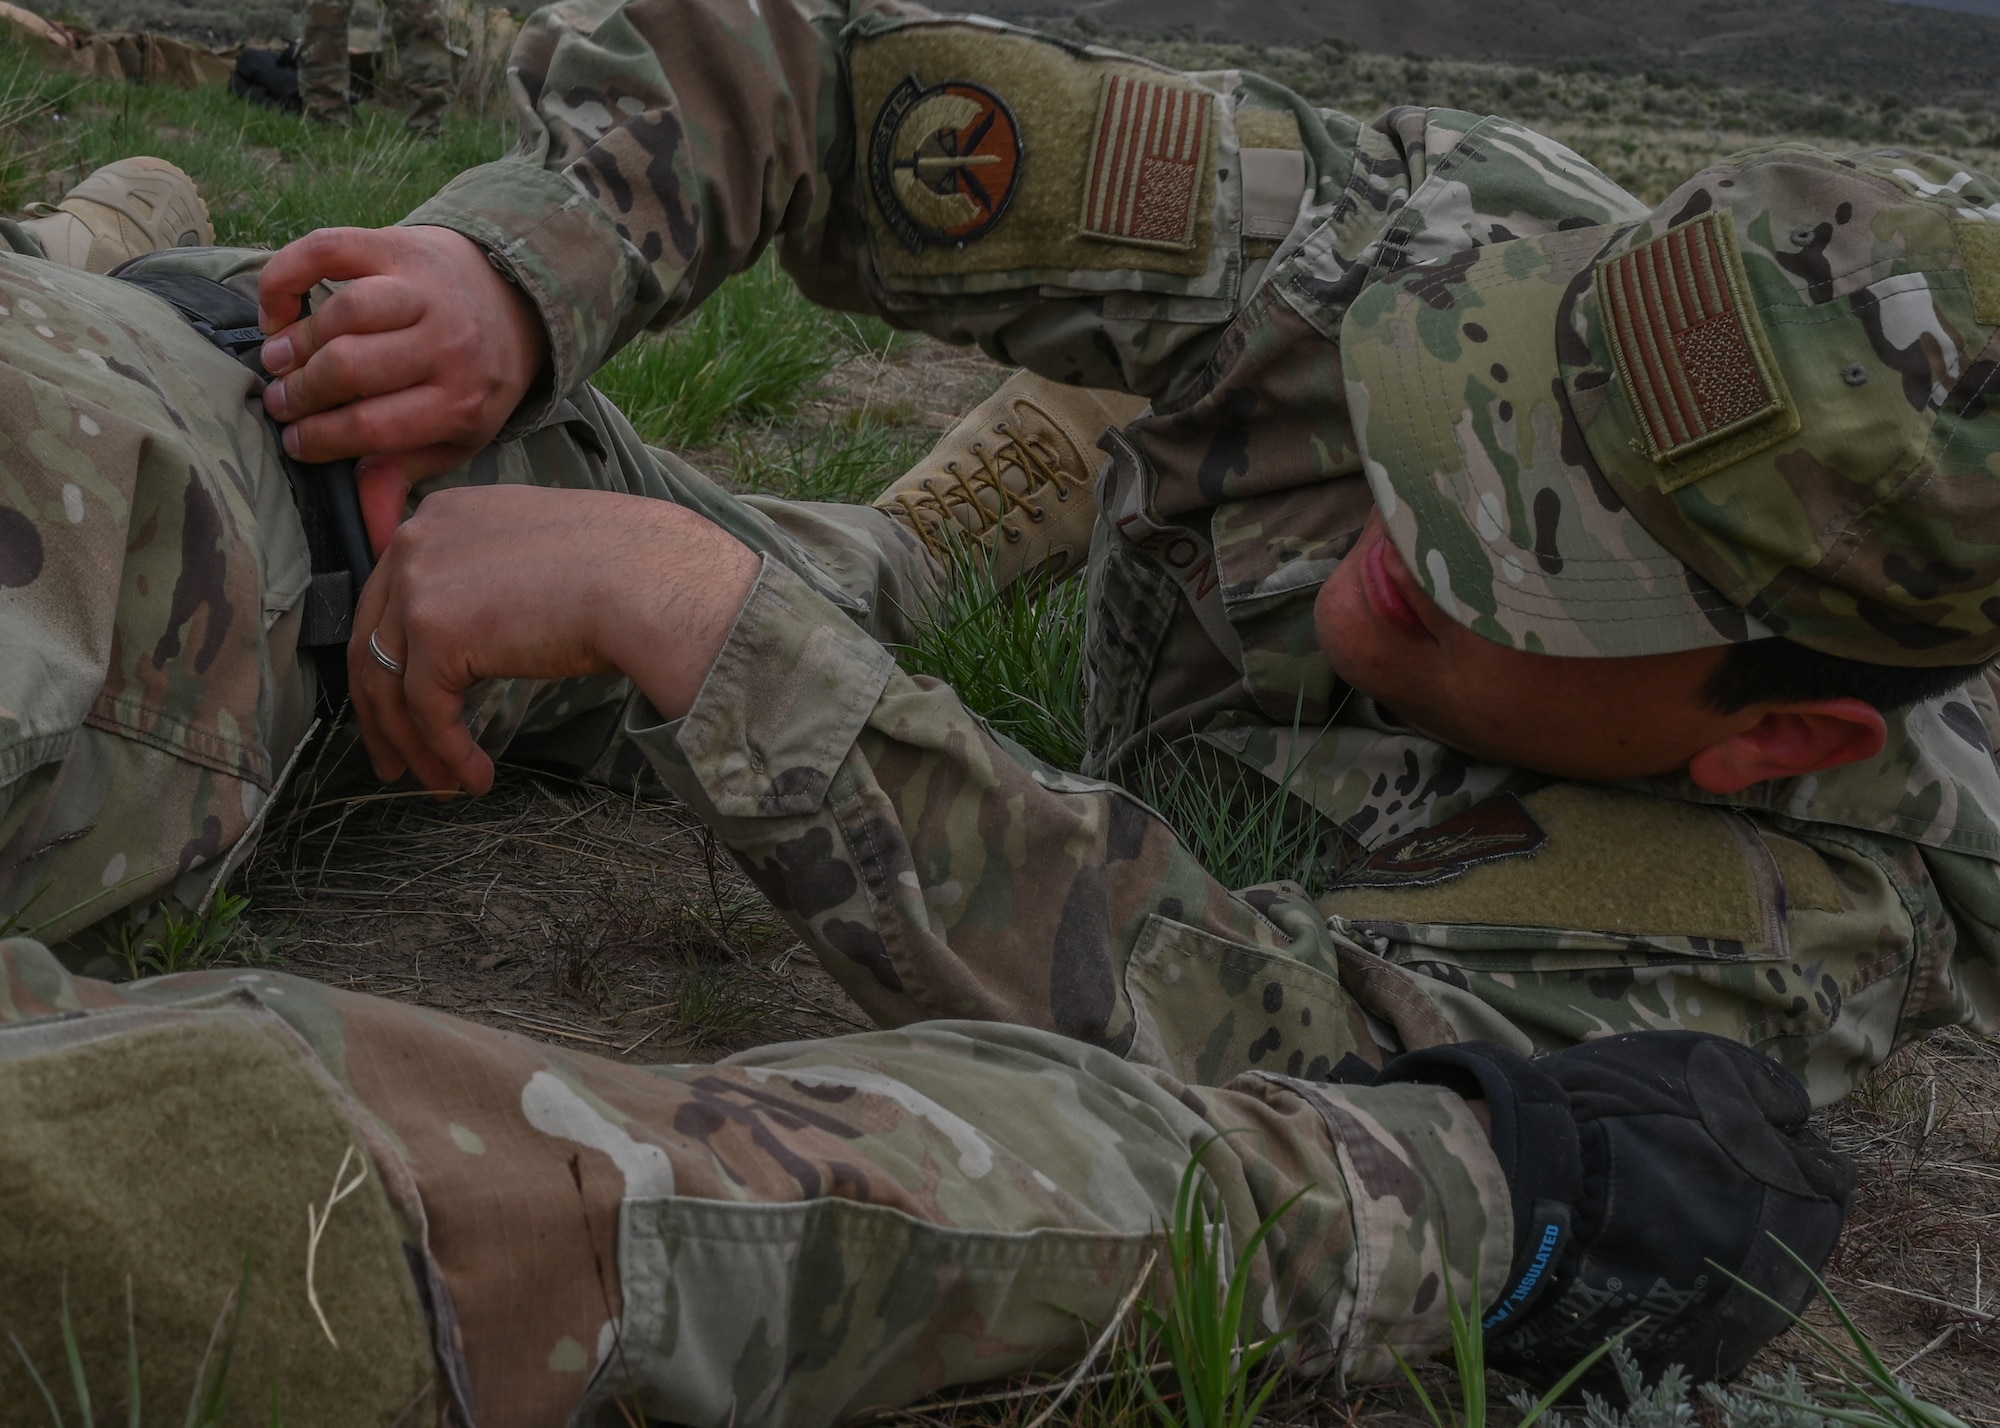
1383,579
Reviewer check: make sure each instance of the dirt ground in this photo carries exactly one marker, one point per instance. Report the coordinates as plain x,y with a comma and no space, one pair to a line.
611,921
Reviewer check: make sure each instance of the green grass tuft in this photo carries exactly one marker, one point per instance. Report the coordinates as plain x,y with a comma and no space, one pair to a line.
751,353
209,1395
1244,828
1014,656
830,461
1200,1332
268,177
190,944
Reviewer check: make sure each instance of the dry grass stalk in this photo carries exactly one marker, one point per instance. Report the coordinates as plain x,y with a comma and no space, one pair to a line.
316,1223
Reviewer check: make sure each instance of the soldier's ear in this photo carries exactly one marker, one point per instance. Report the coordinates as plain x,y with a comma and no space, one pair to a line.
1791,740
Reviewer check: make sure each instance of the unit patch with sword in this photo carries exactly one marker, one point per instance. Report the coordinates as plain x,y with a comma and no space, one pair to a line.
944,162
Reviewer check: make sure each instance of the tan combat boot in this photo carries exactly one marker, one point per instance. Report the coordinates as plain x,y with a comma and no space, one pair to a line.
1017,477
124,209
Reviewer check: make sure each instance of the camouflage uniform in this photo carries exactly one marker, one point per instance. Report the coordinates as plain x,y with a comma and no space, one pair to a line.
153,570
1824,918
791,1237
423,60
912,1208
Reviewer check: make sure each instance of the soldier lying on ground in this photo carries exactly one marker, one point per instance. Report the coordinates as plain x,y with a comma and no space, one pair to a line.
1615,584
1801,864
499,1232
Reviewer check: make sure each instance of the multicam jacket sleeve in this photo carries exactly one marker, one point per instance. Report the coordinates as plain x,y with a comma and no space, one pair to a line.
941,871
665,143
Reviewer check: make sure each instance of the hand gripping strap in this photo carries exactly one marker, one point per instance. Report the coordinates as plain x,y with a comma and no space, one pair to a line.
329,505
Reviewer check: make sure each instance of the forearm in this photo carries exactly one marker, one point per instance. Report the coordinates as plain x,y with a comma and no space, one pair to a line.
940,872
663,143
666,142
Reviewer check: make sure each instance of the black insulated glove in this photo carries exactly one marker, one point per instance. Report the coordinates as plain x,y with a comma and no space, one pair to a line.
1638,1164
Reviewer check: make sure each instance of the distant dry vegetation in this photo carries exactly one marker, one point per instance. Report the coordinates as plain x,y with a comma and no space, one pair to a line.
1647,128
1650,92
1863,46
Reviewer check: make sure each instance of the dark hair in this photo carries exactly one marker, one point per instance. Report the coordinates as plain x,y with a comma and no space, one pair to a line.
1778,671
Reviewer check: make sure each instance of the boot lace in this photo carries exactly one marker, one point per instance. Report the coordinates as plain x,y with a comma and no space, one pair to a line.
952,510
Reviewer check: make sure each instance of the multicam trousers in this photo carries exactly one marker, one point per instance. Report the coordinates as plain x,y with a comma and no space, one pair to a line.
432,1214
423,59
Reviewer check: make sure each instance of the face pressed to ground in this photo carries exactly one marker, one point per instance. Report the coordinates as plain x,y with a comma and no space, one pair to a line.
1576,718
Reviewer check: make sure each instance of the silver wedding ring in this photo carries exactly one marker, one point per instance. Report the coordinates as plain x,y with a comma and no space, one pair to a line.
382,656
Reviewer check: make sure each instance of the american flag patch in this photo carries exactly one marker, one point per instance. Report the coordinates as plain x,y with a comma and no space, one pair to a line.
1147,162
1686,340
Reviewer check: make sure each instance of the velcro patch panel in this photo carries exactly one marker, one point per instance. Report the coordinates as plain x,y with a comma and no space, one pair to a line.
989,151
1612,863
1690,350
1979,245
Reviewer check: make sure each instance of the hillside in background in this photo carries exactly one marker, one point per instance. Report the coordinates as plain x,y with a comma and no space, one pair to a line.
1864,46
1926,51
1969,7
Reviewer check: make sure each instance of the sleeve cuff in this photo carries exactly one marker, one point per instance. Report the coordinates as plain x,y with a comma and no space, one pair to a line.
788,695
567,256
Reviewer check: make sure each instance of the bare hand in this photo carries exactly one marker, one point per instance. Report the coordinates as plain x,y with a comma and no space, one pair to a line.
497,582
414,364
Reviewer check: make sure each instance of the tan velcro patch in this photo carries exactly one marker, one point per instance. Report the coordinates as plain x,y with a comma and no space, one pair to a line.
1979,245
154,1158
1145,162
1615,863
1689,349
981,155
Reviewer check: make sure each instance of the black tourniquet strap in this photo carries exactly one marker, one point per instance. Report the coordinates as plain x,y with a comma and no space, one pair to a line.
328,503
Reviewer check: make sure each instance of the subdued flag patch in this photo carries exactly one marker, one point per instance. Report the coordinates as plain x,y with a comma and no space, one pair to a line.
1487,832
1686,340
1146,162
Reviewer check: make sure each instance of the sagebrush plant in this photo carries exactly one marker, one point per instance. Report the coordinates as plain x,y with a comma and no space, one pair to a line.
1871,1396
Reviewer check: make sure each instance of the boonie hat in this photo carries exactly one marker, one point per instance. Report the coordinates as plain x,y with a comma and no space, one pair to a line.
1762,411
